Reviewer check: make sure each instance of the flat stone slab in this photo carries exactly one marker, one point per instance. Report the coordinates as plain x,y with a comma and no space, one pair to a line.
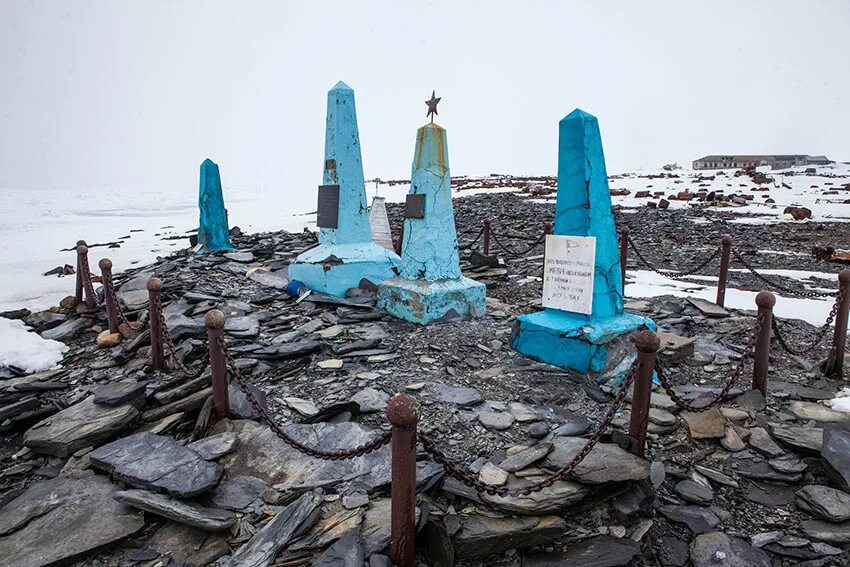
605,463
716,549
209,519
818,412
61,520
708,308
215,446
698,519
464,397
157,462
118,393
599,551
826,531
835,455
483,535
827,503
706,425
804,439
84,424
67,330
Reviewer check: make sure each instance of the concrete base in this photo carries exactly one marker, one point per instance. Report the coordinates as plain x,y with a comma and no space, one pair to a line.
578,342
423,302
335,268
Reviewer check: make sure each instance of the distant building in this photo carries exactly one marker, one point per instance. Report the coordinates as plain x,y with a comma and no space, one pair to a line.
775,161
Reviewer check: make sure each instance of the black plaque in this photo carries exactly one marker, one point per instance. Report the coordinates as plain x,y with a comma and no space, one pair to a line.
328,211
414,206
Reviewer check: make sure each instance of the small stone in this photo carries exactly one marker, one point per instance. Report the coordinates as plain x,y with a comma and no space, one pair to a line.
331,364
186,513
244,257
491,474
762,442
525,457
698,519
691,491
211,448
495,419
464,397
732,441
661,417
371,400
817,412
716,549
538,430
765,538
304,407
356,500
827,503
706,425
108,340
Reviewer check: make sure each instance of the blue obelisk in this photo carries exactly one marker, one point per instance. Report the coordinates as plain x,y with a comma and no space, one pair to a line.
213,232
597,342
346,254
431,286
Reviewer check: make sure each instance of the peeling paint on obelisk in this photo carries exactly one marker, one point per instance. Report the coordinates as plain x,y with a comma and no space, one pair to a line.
213,232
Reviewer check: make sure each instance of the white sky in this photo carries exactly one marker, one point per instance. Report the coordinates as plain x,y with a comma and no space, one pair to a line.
118,94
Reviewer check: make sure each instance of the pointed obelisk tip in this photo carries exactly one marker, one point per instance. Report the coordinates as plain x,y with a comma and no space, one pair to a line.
340,86
208,163
579,114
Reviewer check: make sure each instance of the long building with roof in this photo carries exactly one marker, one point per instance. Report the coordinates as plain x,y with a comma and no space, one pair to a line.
742,161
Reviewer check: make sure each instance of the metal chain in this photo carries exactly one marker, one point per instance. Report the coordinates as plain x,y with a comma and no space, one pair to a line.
779,287
461,473
512,252
340,455
739,370
672,274
477,238
821,332
181,366
109,289
86,276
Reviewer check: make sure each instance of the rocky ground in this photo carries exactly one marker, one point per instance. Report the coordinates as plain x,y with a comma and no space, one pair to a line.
105,462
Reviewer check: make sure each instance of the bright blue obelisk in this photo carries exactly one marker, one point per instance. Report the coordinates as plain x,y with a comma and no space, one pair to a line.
346,254
597,342
213,232
430,286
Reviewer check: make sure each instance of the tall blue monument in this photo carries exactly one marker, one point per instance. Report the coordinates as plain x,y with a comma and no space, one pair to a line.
430,285
213,232
346,254
595,343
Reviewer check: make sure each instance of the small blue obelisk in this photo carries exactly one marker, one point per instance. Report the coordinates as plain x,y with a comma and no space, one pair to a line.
431,286
213,232
596,342
346,254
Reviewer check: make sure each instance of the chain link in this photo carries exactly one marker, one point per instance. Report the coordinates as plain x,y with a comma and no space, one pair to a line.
821,332
739,370
86,276
109,289
513,252
672,274
175,357
461,473
340,455
805,294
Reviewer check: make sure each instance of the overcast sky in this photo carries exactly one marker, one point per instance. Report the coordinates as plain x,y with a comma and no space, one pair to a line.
118,94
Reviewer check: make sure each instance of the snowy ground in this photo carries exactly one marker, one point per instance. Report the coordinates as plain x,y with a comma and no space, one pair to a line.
36,225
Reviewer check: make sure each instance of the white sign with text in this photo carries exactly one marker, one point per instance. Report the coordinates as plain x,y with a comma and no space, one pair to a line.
568,273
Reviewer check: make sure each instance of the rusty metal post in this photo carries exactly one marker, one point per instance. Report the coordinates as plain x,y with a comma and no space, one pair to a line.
214,321
624,252
403,414
839,339
485,241
548,228
400,242
765,302
111,311
155,311
726,244
85,274
647,344
78,290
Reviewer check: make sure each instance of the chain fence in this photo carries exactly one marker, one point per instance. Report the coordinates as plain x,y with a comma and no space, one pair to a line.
513,252
169,342
819,337
671,273
806,294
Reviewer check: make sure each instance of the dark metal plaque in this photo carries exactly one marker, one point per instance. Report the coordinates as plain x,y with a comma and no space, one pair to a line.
328,211
414,207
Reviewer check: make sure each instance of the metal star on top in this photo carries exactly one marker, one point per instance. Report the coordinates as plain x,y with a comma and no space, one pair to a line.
432,106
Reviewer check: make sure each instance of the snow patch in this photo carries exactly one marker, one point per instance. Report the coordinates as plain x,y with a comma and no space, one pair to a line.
27,350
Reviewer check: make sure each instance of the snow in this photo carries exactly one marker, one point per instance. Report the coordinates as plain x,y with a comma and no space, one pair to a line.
841,401
27,350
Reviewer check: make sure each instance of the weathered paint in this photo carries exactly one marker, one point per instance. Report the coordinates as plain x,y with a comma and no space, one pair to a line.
425,302
213,232
346,254
583,208
431,286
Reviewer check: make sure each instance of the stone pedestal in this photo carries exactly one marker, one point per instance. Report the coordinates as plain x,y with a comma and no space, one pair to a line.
213,232
596,343
346,254
430,286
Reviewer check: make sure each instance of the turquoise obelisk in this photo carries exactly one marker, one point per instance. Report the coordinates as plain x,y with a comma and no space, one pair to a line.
597,342
431,286
213,232
346,254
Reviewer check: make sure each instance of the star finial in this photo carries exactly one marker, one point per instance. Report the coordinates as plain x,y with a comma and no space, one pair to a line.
432,106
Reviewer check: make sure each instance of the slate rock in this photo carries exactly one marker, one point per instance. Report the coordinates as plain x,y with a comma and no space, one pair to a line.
525,457
270,279
346,552
287,351
371,400
42,320
68,330
835,456
375,528
538,430
706,425
695,492
61,520
761,441
752,400
549,500
215,446
244,257
190,514
496,419
817,412
84,424
698,519
238,493
157,462
599,551
827,503
605,463
187,545
240,407
826,531
117,393
717,549
464,397
807,440
290,522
